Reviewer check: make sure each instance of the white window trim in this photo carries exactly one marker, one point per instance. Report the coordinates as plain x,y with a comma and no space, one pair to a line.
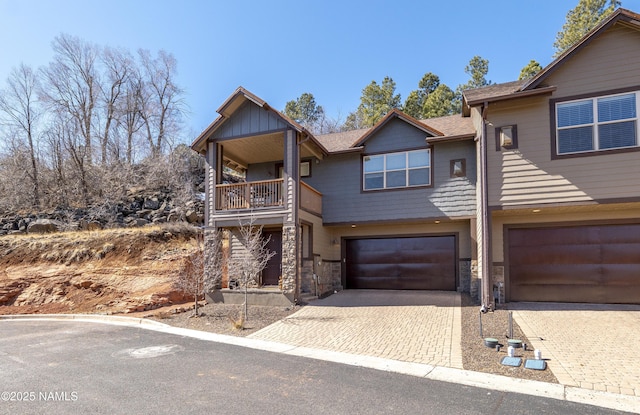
594,125
407,169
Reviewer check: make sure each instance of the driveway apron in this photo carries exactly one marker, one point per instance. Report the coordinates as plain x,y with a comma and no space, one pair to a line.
412,326
590,346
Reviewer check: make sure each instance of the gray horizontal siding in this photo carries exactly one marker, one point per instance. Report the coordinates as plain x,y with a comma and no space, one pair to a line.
338,178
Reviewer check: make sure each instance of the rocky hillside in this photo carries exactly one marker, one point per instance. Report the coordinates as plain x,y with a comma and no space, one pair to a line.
139,208
95,271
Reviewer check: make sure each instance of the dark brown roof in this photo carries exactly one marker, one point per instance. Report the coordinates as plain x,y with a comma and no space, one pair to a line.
451,125
342,141
488,92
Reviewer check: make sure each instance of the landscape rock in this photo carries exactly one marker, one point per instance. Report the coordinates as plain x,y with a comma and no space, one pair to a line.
45,226
192,216
152,203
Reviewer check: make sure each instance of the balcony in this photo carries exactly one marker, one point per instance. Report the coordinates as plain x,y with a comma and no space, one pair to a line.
310,199
252,195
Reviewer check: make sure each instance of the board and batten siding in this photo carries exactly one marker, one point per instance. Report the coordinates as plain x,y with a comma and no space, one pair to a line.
339,179
250,119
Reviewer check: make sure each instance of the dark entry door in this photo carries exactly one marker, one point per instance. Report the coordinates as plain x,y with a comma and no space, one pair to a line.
271,274
412,263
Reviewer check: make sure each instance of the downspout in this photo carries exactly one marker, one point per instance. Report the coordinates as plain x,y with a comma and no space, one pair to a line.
487,300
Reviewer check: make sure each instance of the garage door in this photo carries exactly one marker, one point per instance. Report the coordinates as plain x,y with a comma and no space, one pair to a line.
592,264
416,263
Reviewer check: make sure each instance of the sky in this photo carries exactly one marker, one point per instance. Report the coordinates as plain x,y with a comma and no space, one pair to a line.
280,49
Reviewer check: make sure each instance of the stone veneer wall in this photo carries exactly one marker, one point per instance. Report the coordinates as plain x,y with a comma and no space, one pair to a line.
211,238
306,278
464,275
474,280
328,272
289,259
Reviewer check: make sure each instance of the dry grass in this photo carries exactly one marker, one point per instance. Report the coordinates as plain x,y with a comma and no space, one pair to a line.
81,246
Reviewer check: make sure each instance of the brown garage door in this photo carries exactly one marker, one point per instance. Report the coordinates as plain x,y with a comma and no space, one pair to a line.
592,264
416,263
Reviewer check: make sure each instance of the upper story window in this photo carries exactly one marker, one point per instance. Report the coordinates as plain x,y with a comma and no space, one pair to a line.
597,124
397,170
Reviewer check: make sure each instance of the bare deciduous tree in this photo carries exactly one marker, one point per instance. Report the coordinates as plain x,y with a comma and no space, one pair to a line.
126,109
19,113
246,267
118,68
161,101
191,279
72,85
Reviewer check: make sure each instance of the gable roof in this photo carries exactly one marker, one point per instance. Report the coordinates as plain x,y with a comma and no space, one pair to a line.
393,114
618,16
450,127
535,86
235,101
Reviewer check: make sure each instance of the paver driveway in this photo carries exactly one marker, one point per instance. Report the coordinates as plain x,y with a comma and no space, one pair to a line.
411,326
588,346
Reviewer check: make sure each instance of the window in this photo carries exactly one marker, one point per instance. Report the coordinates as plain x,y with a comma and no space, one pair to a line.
597,124
305,169
397,170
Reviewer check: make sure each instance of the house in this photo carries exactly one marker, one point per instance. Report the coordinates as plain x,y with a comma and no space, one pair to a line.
392,206
561,173
531,194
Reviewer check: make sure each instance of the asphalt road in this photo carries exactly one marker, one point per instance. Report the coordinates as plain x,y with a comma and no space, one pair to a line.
89,368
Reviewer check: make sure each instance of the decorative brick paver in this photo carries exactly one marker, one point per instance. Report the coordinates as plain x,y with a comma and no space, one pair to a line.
588,346
420,326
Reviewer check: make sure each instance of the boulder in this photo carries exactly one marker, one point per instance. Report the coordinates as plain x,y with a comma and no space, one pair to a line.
45,226
152,203
192,216
136,222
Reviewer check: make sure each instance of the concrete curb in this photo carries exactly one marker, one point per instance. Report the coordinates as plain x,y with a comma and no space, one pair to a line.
489,381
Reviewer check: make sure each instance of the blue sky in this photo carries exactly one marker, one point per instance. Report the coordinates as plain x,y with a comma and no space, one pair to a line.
280,49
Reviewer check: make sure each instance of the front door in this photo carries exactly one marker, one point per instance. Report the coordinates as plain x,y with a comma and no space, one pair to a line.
271,274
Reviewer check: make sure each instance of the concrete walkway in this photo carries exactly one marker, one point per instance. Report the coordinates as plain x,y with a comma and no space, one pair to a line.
588,346
419,326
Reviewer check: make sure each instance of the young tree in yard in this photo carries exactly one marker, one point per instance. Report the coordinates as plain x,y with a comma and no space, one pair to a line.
584,17
530,70
191,279
247,266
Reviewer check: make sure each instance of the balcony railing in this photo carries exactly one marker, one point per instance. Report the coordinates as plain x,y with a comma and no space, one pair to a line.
267,193
310,199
